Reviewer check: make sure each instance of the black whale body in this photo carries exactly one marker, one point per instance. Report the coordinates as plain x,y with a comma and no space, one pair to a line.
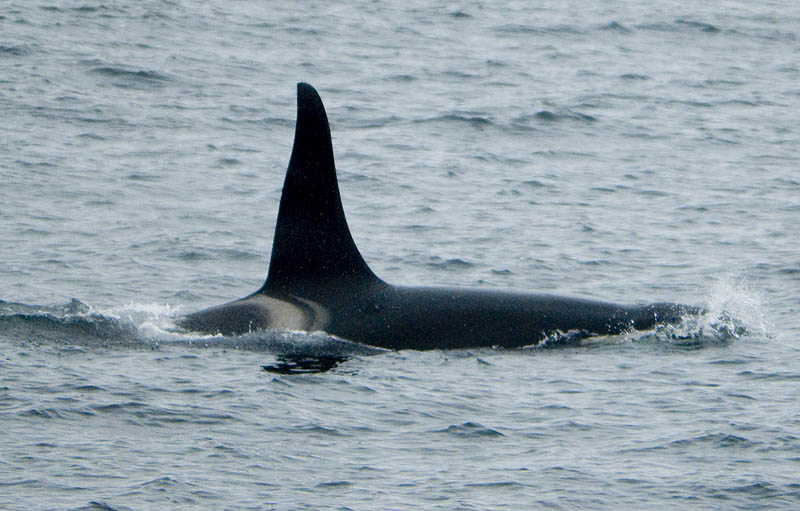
318,281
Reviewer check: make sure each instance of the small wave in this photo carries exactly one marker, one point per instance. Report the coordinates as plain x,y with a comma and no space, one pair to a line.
131,78
227,162
697,25
145,178
192,256
449,264
141,413
405,78
162,483
548,116
475,121
14,50
470,430
683,25
772,376
100,506
61,324
459,14
129,73
496,484
335,484
717,440
531,29
152,326
616,27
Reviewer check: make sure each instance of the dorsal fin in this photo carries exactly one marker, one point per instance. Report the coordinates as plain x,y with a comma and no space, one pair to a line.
312,241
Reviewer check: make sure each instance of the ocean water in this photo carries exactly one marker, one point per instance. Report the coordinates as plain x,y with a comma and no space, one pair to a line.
620,151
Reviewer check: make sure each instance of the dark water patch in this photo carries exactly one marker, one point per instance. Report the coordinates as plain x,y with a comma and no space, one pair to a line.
419,228
548,116
696,383
401,78
335,484
459,14
90,8
15,50
545,115
81,9
534,183
653,193
193,255
470,430
146,178
688,102
634,76
226,163
616,27
89,388
99,203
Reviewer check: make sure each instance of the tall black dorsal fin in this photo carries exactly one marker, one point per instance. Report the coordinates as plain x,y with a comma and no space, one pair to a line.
312,241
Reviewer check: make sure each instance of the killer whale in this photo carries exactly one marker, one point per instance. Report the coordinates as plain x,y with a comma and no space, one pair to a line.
318,281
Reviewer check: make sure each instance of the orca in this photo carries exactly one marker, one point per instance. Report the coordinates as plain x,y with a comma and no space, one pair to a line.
318,281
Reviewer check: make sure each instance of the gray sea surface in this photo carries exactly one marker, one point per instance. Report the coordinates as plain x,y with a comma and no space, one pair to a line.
622,151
